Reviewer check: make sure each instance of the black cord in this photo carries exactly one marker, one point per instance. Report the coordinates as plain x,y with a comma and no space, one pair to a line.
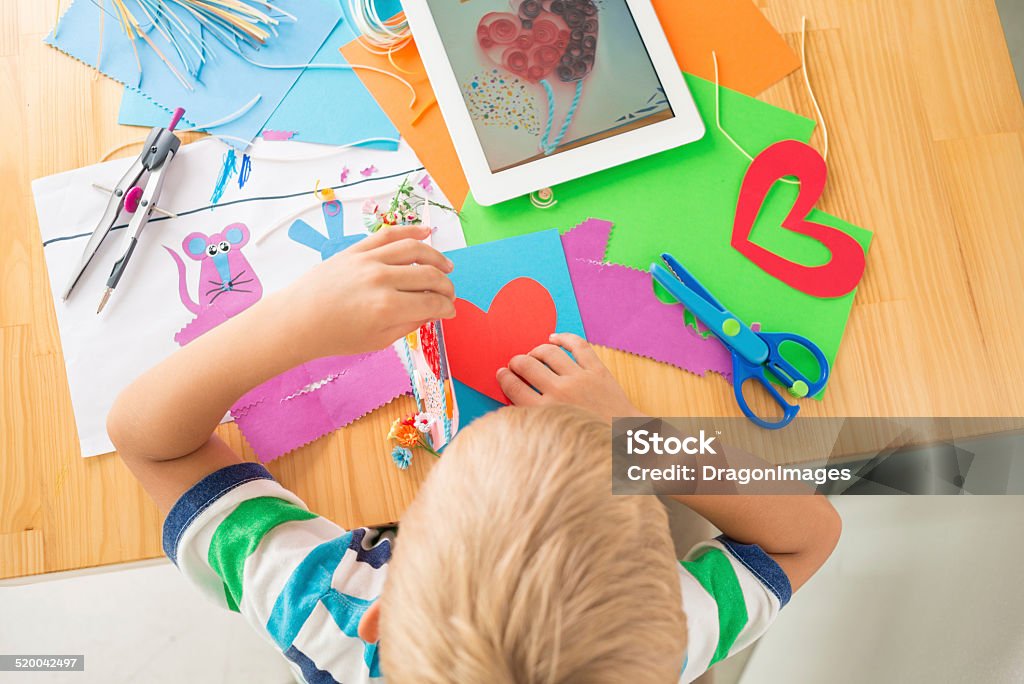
240,201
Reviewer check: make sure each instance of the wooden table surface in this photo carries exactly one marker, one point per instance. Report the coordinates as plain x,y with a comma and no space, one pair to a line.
927,151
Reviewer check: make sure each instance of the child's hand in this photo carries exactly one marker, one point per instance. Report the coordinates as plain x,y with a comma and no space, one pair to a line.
372,294
548,375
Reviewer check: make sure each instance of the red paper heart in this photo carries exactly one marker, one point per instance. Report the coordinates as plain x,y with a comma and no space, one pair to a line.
841,274
521,316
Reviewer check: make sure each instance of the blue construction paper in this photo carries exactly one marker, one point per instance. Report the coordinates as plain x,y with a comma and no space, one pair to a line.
482,270
326,106
327,245
472,404
225,84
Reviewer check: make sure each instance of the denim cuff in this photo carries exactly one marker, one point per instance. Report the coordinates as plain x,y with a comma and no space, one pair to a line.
762,566
201,496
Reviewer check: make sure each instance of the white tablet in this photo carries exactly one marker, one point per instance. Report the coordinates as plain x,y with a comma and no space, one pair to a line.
538,92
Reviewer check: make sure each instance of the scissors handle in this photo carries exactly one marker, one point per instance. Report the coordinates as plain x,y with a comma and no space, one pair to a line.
796,381
799,384
742,372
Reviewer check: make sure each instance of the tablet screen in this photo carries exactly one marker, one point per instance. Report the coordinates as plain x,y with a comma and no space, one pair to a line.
540,77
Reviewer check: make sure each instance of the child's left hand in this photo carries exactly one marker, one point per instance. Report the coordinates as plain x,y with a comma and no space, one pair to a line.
371,294
549,375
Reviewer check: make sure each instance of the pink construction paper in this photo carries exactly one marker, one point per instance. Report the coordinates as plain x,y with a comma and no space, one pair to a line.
278,135
621,311
317,398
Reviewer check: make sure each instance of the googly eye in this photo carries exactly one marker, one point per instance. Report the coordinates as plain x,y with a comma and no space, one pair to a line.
211,250
224,246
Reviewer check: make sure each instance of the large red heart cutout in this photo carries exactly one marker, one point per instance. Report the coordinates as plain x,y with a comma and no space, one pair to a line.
842,273
521,316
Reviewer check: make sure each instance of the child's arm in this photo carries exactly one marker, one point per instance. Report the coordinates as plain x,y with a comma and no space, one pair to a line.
360,300
798,532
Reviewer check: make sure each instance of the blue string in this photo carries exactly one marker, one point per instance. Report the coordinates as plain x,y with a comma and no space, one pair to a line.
551,112
547,146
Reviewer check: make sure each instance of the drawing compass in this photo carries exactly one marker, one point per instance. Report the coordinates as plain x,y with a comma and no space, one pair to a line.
136,197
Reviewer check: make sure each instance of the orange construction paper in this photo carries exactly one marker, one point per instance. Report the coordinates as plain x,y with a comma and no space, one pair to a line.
422,125
751,53
751,56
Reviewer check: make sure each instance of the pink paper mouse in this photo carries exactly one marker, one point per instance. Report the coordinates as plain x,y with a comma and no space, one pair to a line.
227,283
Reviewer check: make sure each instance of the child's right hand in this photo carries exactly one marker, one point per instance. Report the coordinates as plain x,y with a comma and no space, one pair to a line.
549,375
371,294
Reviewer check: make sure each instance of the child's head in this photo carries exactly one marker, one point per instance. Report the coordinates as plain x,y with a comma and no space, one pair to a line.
516,564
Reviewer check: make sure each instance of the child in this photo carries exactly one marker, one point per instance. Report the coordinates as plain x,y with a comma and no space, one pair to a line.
514,565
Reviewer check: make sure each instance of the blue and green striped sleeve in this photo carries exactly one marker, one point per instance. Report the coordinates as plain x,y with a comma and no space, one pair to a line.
732,593
254,547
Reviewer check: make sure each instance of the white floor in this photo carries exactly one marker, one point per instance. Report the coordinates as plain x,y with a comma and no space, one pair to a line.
142,623
921,589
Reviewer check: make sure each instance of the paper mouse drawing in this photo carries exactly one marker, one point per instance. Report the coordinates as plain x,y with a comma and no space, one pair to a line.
227,283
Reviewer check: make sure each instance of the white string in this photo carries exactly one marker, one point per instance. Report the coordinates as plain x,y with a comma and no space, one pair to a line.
158,210
248,143
376,31
810,91
291,217
331,151
114,150
718,111
319,203
227,119
280,10
365,67
324,155
213,124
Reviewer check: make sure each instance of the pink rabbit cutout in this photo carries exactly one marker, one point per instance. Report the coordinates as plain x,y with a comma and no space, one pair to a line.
228,284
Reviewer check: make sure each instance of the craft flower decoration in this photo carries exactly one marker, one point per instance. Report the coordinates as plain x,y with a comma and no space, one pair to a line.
411,433
402,457
423,422
404,209
405,433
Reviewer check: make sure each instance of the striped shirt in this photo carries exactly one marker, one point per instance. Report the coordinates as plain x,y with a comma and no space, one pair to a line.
304,583
298,579
732,593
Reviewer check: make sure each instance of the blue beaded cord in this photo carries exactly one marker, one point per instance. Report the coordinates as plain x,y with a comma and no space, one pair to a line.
546,145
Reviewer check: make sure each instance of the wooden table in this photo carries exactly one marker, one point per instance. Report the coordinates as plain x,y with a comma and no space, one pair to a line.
927,150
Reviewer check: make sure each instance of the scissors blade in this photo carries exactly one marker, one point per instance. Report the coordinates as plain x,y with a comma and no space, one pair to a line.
686,278
688,297
735,334
114,207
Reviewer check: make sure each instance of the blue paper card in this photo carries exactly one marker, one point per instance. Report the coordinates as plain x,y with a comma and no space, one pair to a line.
226,82
327,106
481,271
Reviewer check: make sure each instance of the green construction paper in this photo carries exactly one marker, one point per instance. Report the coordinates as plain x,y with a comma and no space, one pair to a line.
683,201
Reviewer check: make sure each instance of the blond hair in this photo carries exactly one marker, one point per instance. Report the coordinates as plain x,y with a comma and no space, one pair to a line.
515,564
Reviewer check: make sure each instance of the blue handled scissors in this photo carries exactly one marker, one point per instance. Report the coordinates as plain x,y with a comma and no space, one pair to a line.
754,354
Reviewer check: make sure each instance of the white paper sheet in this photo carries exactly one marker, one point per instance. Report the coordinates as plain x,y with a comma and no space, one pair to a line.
104,353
